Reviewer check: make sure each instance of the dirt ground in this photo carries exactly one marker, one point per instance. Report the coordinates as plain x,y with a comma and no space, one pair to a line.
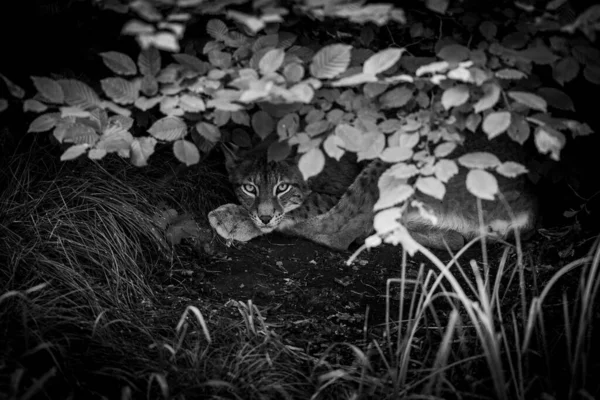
305,291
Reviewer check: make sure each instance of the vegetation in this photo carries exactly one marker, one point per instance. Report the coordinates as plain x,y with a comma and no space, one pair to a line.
105,237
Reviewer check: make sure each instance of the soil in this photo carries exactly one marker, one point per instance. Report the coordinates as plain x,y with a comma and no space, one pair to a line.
305,291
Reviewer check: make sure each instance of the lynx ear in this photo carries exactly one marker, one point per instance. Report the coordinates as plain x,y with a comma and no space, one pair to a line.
230,151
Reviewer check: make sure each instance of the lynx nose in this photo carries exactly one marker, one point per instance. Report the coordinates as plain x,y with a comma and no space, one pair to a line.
265,219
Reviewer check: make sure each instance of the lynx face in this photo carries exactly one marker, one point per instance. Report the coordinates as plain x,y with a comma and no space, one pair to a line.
267,190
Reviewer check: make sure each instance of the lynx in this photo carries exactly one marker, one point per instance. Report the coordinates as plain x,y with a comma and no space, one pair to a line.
335,208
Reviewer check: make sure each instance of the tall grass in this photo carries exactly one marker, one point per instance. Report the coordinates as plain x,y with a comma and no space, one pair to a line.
489,343
80,315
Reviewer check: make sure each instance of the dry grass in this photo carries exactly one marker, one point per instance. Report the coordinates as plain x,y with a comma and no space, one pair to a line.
81,316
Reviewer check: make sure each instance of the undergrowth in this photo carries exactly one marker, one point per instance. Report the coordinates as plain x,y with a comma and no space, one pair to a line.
81,316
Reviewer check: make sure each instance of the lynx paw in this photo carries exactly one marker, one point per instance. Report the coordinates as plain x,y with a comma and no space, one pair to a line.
232,222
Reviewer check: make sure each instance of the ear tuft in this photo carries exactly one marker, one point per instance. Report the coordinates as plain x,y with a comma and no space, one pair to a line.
230,151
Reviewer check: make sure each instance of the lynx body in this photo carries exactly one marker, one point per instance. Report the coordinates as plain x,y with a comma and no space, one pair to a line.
335,208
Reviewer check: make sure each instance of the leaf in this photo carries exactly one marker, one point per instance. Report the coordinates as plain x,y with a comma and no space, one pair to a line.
149,85
392,191
161,40
109,105
99,119
49,89
286,39
116,140
374,89
444,149
121,91
479,159
548,140
192,63
264,43
397,97
462,74
431,186
302,92
144,103
511,169
135,27
80,134
433,68
317,127
240,117
149,61
496,123
472,122
352,137
539,53
186,152
354,80
402,171
330,61
217,29
168,128
453,53
592,74
557,98
278,151
120,121
311,163
208,131
438,6
3,104
14,89
191,103
408,140
271,61
455,96
382,61
565,70
509,73
74,152
529,99
221,118
482,184
488,29
518,130
444,170
293,72
250,22
262,123
387,220
220,59
79,94
97,154
374,144
73,112
119,63
43,123
333,146
34,105
491,95
288,125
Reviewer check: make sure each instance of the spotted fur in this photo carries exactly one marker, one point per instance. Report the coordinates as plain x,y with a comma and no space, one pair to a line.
336,207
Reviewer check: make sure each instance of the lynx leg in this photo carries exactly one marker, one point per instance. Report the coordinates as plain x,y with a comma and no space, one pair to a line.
316,230
231,221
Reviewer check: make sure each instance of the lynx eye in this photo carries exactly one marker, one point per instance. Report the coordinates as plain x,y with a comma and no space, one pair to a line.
282,188
249,189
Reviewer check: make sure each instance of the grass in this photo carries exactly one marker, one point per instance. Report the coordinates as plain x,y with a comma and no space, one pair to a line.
81,315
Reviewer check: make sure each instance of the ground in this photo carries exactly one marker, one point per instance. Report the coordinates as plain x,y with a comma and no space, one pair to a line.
304,287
